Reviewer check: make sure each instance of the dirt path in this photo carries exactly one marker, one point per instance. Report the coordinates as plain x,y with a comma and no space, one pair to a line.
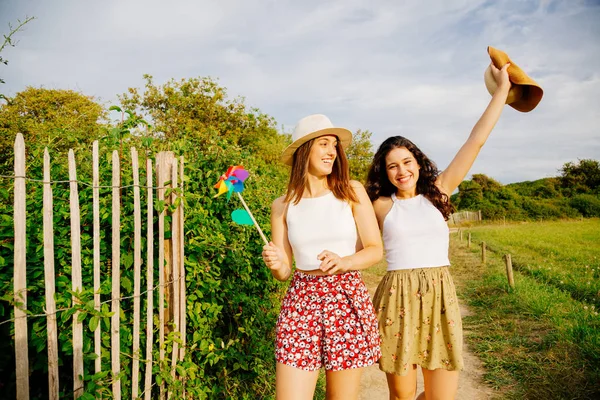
470,385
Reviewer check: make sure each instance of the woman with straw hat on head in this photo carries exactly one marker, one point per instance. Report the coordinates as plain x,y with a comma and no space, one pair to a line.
326,224
415,302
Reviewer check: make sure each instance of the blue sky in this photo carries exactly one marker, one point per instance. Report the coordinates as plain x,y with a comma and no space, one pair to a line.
412,68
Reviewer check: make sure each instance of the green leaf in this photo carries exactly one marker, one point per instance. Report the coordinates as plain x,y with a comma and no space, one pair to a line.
94,321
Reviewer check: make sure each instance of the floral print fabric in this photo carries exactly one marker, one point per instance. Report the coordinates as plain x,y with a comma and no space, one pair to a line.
419,320
327,320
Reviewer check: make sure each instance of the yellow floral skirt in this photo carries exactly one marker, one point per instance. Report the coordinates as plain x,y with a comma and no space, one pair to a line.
419,320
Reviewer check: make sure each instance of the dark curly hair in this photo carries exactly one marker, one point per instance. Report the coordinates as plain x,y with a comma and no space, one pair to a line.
379,185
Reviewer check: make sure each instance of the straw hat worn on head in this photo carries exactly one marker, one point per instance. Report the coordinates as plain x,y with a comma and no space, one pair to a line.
312,127
524,94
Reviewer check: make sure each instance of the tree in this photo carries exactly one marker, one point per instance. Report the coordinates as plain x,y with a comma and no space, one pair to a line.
198,109
57,119
360,155
8,40
581,177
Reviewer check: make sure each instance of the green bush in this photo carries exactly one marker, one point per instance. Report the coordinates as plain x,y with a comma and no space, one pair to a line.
588,205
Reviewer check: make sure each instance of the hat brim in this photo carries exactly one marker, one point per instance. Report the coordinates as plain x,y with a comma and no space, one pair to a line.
532,92
343,135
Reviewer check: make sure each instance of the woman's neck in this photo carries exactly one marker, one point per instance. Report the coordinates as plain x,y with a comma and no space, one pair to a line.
403,195
316,186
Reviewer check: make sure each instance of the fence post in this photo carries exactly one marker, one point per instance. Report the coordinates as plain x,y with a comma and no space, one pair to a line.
483,252
76,279
163,173
175,264
509,270
137,266
115,328
49,283
479,215
182,296
96,212
460,231
469,240
149,283
20,274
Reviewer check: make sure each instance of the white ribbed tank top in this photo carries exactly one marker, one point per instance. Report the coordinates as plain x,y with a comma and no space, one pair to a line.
320,223
415,235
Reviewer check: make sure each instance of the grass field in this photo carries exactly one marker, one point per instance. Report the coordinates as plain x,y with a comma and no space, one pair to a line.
540,340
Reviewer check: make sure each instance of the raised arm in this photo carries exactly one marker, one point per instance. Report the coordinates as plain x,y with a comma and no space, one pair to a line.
277,255
452,176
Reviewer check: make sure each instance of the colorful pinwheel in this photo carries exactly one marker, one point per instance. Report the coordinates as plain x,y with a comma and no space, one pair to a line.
230,182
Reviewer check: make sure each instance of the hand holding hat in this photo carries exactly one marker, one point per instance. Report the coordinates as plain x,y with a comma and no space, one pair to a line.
524,94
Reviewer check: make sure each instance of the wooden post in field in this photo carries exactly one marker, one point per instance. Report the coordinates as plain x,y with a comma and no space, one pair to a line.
509,270
49,278
96,207
460,231
115,328
19,273
137,265
479,215
469,240
483,252
76,284
149,283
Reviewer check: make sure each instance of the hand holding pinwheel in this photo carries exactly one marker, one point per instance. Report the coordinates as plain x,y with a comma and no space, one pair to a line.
233,181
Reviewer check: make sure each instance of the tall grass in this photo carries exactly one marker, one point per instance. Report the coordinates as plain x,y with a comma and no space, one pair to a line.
540,340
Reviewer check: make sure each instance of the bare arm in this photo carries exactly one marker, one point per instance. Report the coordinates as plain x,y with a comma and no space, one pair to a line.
452,176
277,255
368,231
382,207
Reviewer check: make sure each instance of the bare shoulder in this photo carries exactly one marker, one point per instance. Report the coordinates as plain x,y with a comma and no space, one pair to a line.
278,206
356,185
382,207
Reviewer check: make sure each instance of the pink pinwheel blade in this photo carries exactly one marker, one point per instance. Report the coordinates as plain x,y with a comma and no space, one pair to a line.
241,174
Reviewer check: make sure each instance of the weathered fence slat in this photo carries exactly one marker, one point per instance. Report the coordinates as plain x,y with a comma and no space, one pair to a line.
76,280
182,297
137,265
49,283
20,274
160,171
115,328
96,207
149,283
175,264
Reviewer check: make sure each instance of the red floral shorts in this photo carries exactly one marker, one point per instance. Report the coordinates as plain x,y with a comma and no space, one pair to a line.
327,320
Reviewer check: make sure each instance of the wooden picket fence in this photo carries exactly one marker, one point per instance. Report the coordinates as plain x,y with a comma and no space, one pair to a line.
171,272
462,216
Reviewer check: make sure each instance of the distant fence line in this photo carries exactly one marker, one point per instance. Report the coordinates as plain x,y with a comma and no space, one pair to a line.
463,216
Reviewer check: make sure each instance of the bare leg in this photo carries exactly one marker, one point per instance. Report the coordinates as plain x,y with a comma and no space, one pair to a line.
344,384
293,383
403,387
440,384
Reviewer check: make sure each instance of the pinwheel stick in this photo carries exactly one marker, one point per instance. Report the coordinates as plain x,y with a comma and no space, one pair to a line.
262,235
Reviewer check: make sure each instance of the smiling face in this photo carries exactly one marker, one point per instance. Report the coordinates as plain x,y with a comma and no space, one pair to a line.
322,155
403,171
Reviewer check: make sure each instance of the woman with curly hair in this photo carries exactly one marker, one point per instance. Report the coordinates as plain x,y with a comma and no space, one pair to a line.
416,305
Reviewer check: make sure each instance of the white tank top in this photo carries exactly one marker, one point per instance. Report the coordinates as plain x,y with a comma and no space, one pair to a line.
320,223
415,235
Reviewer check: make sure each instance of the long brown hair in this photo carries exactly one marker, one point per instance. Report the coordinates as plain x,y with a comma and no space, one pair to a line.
378,183
338,181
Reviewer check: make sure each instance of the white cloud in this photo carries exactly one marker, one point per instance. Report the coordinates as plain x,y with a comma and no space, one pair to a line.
412,68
